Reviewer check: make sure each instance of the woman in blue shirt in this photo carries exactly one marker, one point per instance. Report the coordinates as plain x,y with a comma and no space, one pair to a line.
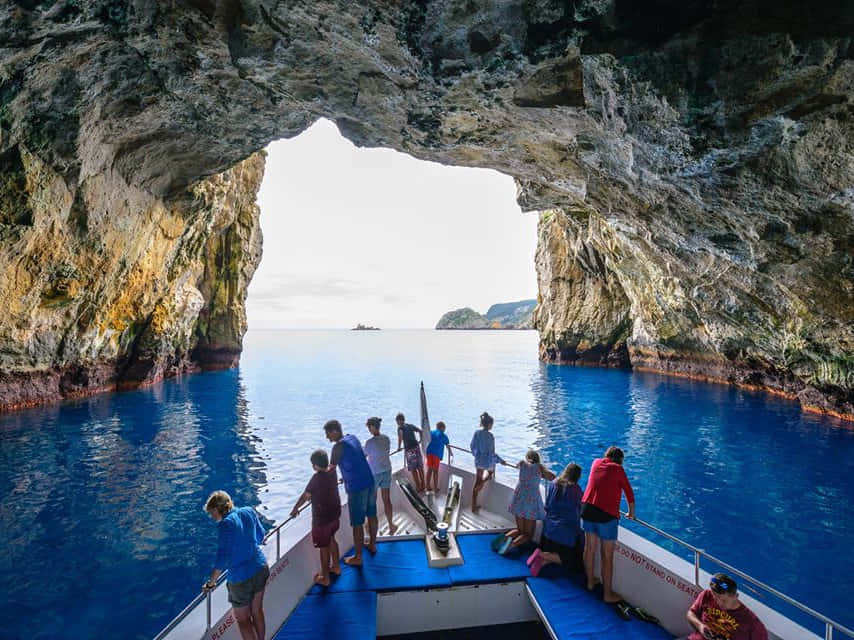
240,534
562,541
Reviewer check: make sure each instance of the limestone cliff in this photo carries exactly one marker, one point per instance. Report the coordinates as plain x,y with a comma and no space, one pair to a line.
107,286
694,160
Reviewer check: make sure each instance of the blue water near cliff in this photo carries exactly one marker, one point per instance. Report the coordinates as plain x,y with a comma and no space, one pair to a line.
101,521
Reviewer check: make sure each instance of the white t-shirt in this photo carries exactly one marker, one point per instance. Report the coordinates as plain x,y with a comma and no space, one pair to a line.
377,451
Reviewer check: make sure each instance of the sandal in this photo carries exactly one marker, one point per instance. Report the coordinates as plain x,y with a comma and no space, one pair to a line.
642,614
623,609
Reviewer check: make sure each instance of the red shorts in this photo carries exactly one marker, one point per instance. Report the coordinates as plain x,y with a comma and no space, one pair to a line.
432,461
321,535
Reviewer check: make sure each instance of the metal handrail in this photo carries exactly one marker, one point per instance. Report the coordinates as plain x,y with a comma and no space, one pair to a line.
500,459
206,593
829,624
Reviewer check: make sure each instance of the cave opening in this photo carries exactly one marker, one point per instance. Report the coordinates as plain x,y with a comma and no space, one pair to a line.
374,236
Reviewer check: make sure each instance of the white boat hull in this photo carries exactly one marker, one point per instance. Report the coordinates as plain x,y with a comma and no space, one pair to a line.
646,574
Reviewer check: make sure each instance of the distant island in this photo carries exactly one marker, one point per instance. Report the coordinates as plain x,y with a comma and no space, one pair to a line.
505,315
364,327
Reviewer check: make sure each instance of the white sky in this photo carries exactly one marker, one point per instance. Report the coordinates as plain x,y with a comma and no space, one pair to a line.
375,236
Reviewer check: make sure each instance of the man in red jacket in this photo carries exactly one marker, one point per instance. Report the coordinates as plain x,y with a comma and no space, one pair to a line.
600,516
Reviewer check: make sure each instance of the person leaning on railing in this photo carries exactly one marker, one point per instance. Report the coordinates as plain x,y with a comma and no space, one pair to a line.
240,534
600,516
718,614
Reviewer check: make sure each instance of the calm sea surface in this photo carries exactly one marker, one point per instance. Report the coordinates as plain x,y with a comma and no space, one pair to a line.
101,524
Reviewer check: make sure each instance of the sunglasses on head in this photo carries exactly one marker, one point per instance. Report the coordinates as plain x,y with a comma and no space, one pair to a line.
720,586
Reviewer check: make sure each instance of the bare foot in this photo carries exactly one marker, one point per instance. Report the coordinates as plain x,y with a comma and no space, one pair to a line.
353,561
596,582
319,579
392,529
371,547
336,569
475,509
614,598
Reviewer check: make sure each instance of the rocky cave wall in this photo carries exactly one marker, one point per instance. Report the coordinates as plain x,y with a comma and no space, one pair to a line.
692,160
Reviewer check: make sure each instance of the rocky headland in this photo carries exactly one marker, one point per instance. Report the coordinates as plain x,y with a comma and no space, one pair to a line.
693,163
504,315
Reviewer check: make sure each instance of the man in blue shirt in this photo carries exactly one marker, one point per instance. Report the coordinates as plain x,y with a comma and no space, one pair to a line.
347,454
435,452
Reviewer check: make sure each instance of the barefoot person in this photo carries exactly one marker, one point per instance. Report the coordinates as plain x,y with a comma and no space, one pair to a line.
527,503
435,452
410,437
377,451
718,614
322,490
347,454
483,448
240,533
600,516
562,541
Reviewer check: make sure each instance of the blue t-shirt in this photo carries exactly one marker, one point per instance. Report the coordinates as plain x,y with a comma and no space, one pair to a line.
348,455
563,513
240,533
438,440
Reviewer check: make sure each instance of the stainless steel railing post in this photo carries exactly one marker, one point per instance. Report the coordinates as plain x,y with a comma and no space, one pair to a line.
278,544
208,605
697,567
828,631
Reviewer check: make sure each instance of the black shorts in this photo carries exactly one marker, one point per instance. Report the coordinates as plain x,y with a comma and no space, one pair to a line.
571,558
240,594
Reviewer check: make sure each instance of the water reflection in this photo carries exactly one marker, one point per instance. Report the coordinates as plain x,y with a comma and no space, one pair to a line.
109,491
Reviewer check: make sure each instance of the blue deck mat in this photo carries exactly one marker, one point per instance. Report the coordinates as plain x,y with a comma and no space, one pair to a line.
399,565
482,564
573,612
333,615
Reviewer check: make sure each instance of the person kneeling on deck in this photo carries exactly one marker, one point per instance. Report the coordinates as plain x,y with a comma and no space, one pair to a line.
240,534
322,490
600,516
347,453
562,541
718,614
527,503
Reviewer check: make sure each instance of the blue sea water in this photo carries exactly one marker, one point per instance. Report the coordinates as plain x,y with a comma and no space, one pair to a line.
101,521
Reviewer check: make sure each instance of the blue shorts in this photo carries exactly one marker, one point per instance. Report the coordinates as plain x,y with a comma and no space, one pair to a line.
362,503
382,480
605,530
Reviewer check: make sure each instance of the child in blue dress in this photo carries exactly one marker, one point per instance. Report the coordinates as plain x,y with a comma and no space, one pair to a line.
527,503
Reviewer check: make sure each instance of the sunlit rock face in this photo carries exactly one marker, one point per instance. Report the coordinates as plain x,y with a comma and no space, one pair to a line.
693,162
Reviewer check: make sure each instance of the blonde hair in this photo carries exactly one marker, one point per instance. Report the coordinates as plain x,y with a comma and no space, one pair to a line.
532,456
220,501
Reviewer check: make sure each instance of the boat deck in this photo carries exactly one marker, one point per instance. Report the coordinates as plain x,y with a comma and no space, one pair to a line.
410,525
348,607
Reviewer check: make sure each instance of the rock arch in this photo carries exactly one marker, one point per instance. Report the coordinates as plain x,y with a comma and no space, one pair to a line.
694,163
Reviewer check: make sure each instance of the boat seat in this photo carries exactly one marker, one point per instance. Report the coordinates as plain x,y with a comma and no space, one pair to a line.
573,612
481,565
343,615
398,565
